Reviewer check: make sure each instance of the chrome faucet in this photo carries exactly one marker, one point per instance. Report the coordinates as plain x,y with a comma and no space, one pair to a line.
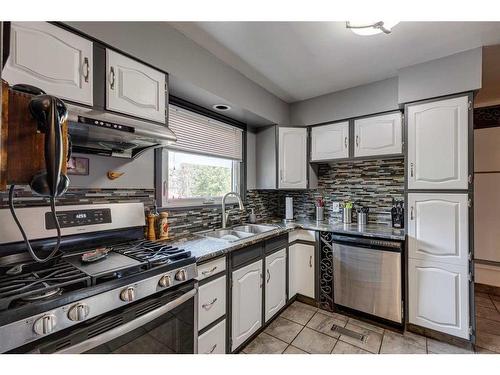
225,214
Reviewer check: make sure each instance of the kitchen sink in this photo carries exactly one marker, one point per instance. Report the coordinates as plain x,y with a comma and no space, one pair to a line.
237,233
254,228
228,235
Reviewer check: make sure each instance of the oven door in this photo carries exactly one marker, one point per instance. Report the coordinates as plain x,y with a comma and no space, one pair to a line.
162,324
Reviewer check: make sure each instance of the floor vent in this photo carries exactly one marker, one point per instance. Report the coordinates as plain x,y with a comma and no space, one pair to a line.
347,332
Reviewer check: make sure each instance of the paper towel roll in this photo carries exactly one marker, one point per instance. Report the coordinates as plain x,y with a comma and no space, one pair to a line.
288,208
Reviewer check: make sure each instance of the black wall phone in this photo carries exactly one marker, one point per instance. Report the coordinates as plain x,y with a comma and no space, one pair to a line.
49,112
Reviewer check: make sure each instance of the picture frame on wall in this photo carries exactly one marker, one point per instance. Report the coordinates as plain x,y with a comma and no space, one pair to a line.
78,166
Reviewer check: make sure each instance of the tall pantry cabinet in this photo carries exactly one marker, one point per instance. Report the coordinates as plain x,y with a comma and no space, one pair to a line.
439,197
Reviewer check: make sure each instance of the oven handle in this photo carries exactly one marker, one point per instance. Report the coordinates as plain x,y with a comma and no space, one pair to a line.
127,327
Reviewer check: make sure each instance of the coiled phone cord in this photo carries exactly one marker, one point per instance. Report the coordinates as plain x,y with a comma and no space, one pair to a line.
23,233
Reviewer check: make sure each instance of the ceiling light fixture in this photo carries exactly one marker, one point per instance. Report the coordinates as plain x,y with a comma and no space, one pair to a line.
373,28
221,107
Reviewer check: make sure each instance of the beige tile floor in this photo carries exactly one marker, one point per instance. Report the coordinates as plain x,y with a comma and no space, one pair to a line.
302,329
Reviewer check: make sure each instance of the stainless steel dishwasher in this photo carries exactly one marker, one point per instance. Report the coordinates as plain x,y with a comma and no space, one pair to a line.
367,276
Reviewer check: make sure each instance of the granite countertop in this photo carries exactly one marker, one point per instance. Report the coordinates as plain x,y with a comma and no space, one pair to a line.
204,248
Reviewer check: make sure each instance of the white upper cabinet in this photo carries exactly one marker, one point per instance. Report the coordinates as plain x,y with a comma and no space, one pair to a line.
246,302
275,283
51,58
330,141
292,156
134,88
378,135
437,144
438,227
438,297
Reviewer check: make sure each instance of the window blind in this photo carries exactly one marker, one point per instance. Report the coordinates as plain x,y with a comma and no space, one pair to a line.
203,135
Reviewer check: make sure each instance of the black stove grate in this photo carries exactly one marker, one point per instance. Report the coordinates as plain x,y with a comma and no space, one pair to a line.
40,282
155,253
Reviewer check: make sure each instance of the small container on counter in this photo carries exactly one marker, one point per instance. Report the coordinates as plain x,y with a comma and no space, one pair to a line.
347,213
362,215
320,209
252,218
164,227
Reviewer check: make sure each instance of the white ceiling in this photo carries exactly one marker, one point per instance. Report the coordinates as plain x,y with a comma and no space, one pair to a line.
300,60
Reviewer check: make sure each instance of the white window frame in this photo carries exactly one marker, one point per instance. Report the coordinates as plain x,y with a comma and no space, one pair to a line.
206,201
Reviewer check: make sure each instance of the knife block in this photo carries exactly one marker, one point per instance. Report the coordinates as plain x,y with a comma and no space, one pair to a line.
21,144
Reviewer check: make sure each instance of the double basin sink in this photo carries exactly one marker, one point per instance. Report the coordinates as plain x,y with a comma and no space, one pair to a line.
238,233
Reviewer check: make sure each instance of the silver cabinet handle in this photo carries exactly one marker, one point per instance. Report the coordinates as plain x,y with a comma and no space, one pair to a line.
411,169
261,280
112,78
209,271
208,306
310,261
268,276
345,142
411,213
86,69
357,141
212,350
281,175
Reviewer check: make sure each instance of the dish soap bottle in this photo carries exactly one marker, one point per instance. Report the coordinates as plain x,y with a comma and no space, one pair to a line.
252,218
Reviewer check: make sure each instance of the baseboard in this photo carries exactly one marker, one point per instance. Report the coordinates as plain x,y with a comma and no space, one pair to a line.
489,289
487,274
440,336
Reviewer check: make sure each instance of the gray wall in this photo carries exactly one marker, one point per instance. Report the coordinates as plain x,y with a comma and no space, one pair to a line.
166,48
357,101
448,75
138,173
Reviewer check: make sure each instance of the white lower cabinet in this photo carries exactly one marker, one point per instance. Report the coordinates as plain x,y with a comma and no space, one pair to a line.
211,301
213,341
246,302
439,296
275,297
301,270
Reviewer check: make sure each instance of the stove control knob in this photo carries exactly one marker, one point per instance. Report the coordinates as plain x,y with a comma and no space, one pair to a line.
181,275
128,294
78,312
165,281
45,324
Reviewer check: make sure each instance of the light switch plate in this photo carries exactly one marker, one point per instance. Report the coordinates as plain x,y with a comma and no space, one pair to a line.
336,206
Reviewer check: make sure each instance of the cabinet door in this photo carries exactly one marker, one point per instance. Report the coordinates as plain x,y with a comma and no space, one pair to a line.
275,283
292,155
330,141
301,270
134,88
247,302
438,227
213,341
439,297
51,58
378,135
437,144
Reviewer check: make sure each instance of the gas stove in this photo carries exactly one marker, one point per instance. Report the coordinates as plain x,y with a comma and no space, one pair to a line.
96,273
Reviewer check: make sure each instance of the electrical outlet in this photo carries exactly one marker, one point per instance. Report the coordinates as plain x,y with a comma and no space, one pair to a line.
336,206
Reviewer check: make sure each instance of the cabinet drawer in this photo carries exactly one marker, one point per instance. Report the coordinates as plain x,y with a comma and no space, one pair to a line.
276,243
211,301
211,268
303,235
246,254
214,340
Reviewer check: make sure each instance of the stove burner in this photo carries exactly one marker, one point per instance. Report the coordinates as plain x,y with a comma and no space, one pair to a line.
40,281
155,253
46,294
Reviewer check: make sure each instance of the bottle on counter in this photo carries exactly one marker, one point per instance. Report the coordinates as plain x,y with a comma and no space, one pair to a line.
252,218
151,218
164,227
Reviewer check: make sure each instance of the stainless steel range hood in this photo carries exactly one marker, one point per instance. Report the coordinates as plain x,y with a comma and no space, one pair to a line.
104,133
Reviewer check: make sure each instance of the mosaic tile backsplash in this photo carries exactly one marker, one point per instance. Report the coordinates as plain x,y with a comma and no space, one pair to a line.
371,184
